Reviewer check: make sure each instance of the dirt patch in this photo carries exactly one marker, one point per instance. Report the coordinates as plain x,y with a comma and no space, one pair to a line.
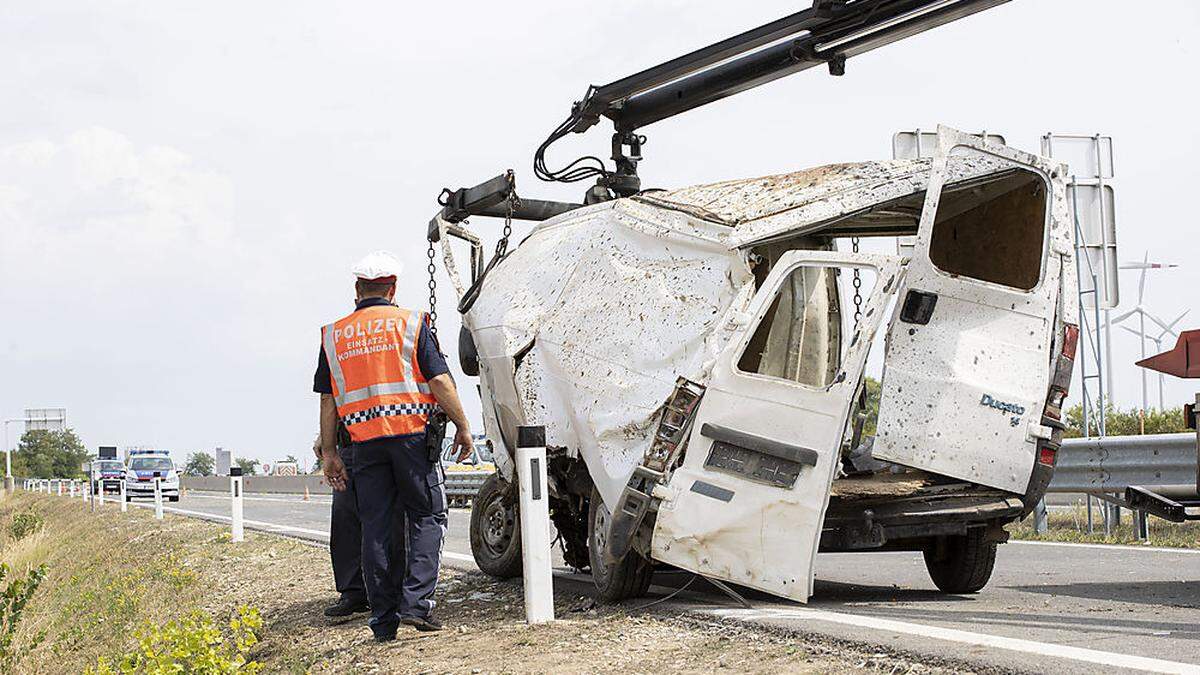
161,570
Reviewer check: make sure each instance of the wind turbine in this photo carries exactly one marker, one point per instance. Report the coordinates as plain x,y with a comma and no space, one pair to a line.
1159,347
1143,314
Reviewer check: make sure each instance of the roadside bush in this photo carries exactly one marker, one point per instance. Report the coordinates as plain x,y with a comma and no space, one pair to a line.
24,524
13,598
193,644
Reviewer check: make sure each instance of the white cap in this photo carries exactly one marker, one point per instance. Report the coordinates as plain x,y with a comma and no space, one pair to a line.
377,265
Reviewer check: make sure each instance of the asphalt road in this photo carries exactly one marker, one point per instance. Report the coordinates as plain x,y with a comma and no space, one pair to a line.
1049,607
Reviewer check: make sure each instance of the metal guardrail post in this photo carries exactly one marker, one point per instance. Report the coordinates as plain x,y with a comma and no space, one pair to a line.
1142,524
1040,518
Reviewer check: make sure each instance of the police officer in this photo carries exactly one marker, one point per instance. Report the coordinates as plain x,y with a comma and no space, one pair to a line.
345,530
386,378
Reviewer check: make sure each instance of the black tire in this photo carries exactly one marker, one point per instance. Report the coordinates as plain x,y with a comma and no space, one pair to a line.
961,563
628,578
496,529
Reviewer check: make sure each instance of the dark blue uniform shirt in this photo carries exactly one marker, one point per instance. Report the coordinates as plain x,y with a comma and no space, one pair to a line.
429,359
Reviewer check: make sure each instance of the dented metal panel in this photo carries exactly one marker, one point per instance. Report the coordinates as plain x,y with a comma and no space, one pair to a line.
741,528
587,325
963,395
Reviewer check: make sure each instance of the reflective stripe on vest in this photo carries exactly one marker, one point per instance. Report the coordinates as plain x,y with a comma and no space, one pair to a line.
377,382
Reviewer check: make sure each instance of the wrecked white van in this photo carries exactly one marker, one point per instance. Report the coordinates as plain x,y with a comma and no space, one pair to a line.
698,366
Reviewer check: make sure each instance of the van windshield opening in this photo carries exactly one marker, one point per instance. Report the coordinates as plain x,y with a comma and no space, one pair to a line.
150,464
992,229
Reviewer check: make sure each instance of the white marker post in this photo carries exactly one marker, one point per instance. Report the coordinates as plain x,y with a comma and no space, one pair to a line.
83,491
235,505
124,497
158,511
535,524
100,492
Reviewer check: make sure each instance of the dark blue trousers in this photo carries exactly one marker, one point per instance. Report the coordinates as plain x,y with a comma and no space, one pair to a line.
345,537
391,473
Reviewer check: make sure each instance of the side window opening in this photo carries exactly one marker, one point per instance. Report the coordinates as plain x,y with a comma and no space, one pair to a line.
992,230
800,337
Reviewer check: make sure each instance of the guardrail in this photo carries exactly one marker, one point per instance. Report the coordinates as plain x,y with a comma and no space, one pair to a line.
1109,465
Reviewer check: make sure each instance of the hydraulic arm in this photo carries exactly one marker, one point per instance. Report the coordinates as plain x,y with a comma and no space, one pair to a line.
828,33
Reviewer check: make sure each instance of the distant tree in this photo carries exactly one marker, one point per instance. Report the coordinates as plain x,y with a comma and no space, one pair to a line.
249,466
50,454
1128,422
292,459
873,388
199,464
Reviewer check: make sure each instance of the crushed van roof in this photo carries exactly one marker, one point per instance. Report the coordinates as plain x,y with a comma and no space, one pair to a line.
769,206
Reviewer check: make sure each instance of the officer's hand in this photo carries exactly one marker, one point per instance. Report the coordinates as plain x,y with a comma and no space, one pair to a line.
463,443
334,470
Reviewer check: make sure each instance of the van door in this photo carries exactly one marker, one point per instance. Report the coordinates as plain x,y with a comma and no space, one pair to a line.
747,504
966,371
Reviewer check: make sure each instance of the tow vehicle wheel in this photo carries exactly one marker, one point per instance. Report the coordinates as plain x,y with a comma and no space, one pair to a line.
628,578
496,529
961,563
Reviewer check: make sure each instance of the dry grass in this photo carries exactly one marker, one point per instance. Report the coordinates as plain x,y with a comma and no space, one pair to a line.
110,573
1070,525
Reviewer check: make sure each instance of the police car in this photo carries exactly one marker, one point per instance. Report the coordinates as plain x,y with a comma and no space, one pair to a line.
107,474
140,470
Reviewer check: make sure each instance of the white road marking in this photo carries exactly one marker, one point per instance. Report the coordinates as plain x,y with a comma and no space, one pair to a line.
1109,547
962,636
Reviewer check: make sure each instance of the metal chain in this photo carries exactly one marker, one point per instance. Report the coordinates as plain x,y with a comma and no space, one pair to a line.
432,292
513,204
857,283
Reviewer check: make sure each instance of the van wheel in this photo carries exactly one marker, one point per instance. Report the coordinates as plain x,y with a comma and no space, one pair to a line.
496,529
961,563
628,578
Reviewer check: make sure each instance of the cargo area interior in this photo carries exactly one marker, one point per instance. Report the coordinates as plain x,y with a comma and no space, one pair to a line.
990,229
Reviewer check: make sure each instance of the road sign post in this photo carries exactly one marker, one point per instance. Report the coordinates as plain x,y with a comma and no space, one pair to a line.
158,508
235,505
535,524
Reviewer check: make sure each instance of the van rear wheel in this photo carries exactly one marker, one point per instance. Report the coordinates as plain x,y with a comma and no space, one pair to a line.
628,578
961,563
496,529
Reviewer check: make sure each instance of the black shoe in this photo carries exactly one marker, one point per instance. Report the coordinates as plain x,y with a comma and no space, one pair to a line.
347,607
385,637
425,624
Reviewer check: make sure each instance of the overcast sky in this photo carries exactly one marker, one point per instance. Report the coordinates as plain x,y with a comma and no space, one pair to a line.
183,186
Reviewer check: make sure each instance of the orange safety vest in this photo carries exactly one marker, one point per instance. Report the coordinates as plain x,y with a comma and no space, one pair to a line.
377,382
